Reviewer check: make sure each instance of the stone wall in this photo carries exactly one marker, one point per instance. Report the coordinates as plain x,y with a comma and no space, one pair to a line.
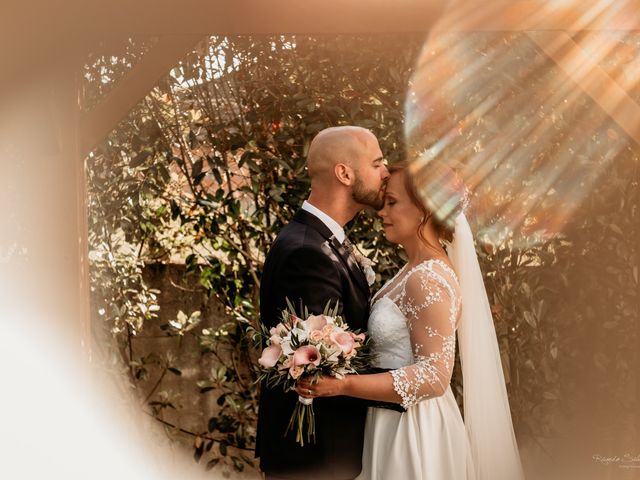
179,292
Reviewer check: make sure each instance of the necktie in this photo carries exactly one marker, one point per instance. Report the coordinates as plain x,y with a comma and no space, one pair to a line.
350,249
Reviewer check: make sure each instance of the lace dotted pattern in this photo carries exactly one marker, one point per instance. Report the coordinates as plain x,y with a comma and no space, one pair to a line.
428,297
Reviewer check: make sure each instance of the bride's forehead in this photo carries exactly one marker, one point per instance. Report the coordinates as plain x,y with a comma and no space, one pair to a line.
390,193
395,185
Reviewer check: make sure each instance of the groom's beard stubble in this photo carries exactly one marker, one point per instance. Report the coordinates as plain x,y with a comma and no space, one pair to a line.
369,197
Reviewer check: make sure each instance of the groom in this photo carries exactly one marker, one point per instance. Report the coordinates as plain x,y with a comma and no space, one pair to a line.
310,262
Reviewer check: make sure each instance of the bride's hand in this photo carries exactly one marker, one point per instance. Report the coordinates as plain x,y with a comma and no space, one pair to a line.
325,386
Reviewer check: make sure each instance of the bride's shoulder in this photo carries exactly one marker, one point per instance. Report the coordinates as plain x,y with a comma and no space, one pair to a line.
434,271
436,264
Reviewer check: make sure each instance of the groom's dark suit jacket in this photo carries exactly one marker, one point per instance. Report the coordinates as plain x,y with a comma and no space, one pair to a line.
307,263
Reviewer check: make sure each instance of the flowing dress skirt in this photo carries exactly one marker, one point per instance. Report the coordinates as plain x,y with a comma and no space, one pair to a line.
428,442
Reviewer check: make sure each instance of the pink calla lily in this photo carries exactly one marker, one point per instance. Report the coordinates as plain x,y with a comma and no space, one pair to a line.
307,354
270,356
315,322
343,340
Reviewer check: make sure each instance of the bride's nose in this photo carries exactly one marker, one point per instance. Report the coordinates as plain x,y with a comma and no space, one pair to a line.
383,211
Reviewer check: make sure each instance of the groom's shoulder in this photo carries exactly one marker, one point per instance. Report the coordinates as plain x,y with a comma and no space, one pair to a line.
297,235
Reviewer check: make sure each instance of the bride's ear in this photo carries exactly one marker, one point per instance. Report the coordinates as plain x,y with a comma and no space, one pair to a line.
344,174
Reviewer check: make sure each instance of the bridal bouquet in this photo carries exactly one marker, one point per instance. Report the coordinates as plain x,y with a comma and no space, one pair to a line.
312,346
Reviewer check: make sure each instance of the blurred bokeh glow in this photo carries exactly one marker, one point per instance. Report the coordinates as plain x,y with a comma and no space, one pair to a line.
529,119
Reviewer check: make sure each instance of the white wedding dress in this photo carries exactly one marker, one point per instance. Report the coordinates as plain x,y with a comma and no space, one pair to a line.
413,323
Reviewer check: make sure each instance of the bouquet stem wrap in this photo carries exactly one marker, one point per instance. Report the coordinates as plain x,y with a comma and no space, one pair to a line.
303,415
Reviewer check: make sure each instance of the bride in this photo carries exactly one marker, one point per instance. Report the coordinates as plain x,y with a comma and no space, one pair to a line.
414,320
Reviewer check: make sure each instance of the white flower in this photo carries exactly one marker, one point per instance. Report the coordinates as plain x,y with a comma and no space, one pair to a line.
341,372
285,344
303,335
366,265
331,353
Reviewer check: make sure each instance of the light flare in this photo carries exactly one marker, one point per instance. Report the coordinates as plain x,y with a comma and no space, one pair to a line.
529,120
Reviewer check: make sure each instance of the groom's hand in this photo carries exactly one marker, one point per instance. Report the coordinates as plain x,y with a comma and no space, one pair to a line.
325,386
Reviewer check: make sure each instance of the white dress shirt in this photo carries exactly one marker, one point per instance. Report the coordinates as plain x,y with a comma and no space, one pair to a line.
331,224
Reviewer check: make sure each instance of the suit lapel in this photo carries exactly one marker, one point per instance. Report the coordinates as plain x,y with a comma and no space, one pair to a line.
354,269
302,216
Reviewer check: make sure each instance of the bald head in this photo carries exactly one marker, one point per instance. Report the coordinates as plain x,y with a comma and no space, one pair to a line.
347,172
336,145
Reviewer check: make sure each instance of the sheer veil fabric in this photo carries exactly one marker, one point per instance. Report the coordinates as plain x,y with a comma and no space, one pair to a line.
487,416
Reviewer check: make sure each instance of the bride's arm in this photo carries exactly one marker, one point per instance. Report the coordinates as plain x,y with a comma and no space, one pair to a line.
431,320
376,386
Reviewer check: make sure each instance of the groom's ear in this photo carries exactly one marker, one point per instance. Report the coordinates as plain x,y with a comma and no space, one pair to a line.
344,174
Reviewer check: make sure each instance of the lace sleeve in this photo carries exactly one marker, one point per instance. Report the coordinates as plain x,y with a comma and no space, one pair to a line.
428,300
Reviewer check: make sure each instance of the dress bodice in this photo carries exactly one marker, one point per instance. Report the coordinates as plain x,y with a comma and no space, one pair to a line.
388,329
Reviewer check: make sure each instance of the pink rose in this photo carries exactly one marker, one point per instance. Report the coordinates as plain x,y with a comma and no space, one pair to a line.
307,354
278,330
315,322
275,339
270,356
343,340
315,336
327,329
296,371
360,337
